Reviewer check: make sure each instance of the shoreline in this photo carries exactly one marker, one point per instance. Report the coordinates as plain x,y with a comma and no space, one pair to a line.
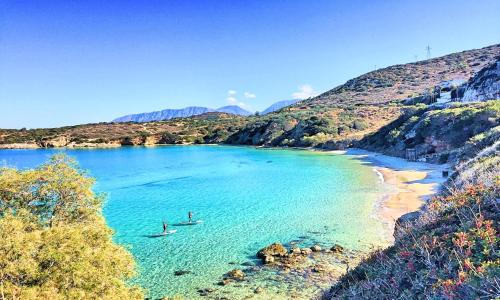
408,185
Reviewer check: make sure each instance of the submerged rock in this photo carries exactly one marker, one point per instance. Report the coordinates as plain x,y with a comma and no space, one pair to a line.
235,274
181,272
205,291
224,281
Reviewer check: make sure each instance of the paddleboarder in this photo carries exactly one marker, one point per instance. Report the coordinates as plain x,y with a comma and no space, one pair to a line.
190,216
165,226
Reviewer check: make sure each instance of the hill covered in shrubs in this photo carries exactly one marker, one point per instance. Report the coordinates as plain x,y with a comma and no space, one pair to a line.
448,250
335,119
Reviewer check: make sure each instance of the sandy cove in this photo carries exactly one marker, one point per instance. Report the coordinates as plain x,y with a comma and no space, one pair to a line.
408,184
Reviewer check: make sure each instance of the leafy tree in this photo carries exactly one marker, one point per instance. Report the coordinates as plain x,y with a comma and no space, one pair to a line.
55,242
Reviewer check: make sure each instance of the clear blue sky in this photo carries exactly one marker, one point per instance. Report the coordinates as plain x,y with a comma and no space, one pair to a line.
72,62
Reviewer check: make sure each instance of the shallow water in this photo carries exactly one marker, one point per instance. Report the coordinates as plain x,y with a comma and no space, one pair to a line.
246,197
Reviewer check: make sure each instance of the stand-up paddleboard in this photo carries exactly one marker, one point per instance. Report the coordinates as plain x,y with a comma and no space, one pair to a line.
163,233
188,223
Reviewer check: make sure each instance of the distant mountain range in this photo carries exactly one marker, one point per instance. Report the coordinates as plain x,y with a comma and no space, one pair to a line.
234,109
279,105
189,111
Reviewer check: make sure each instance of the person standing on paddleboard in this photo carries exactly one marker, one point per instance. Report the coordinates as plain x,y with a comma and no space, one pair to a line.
164,227
190,216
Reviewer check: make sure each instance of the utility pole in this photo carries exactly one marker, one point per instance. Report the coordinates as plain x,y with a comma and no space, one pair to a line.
428,48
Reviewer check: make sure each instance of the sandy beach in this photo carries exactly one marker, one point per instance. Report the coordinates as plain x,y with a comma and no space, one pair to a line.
408,184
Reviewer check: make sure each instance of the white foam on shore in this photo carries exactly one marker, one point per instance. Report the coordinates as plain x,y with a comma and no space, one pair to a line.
380,175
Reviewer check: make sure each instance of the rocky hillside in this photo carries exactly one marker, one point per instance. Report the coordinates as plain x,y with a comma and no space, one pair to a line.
438,134
205,128
344,115
332,128
403,81
485,84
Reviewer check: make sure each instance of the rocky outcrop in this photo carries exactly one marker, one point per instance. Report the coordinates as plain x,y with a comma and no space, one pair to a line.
60,141
405,221
268,253
485,85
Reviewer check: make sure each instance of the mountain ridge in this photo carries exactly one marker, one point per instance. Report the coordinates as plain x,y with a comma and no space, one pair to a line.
189,111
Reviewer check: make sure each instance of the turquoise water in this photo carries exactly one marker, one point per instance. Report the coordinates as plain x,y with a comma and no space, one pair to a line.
247,198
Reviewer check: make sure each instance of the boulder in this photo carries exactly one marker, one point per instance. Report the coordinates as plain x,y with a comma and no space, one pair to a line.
275,249
337,248
306,251
316,248
295,250
258,290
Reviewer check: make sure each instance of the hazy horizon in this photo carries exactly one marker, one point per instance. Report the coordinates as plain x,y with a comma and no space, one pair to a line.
66,63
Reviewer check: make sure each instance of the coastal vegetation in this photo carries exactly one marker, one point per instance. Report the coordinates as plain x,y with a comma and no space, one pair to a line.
441,133
55,242
449,251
